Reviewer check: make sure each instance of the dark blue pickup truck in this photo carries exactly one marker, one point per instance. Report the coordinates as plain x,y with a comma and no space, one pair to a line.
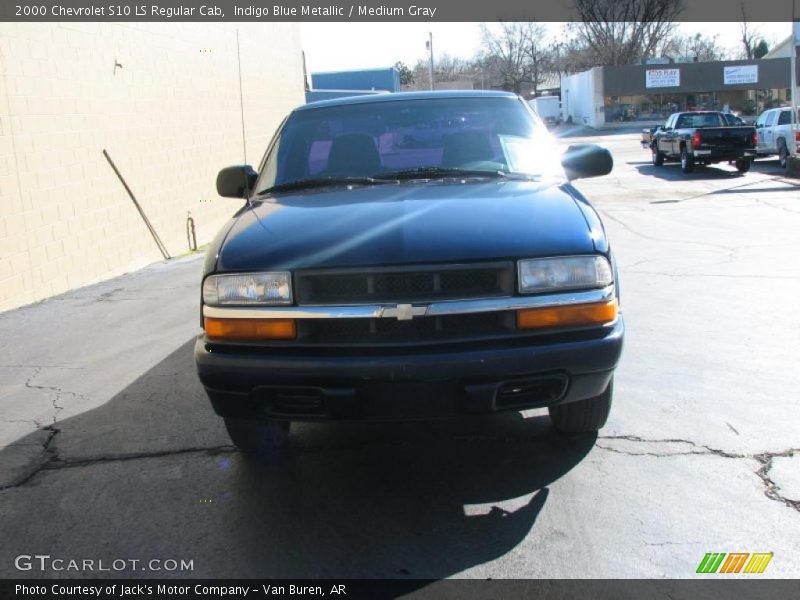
369,278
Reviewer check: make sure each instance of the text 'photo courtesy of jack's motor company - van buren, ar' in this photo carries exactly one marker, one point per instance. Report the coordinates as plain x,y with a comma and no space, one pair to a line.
205,590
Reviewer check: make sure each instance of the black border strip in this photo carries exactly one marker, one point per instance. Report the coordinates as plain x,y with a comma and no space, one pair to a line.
702,588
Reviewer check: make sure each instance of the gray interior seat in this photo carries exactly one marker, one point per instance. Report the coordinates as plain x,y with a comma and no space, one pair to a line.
353,154
465,147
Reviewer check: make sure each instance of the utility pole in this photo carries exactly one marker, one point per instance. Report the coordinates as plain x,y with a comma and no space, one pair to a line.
429,44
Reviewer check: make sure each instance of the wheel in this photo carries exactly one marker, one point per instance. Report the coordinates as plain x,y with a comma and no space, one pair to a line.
687,162
258,436
783,154
583,416
658,157
743,165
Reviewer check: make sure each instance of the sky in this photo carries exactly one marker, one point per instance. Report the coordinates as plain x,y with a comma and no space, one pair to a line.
340,46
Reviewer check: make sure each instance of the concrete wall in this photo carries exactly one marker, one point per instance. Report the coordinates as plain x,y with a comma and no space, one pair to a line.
169,117
582,98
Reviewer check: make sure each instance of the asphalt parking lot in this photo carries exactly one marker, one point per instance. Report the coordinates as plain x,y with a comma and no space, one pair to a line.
110,449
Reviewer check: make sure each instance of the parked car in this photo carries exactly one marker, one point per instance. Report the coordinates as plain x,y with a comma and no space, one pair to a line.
385,282
774,128
703,137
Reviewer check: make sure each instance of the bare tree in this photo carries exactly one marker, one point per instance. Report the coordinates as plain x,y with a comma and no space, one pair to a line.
541,54
749,37
505,54
622,32
451,68
575,55
699,47
445,68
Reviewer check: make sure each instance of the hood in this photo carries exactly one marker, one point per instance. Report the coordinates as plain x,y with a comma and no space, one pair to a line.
435,222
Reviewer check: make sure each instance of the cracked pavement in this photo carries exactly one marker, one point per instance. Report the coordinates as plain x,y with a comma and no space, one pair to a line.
105,430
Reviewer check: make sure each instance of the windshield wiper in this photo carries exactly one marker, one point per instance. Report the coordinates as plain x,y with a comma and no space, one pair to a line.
454,172
314,182
439,172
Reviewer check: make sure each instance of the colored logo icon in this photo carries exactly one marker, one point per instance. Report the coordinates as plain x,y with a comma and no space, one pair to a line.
734,562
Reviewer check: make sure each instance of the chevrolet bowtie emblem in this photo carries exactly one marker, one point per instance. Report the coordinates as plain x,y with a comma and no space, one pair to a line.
404,312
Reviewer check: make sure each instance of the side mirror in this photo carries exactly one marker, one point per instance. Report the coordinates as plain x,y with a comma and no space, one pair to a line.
586,160
236,182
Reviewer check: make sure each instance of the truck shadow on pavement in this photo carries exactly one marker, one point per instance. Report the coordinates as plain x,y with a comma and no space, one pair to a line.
672,172
151,474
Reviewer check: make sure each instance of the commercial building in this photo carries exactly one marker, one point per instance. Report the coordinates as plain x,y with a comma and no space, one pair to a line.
358,82
606,95
164,100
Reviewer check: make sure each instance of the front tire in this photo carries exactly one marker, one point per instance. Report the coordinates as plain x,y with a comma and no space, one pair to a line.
263,437
583,416
658,157
687,162
743,165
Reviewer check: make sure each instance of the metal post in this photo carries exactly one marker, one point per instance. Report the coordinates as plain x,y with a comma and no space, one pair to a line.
161,247
430,48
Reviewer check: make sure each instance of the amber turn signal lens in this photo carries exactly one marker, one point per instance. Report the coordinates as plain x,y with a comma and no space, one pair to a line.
250,329
596,313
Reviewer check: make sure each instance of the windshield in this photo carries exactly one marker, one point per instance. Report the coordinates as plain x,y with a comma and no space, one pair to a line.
428,138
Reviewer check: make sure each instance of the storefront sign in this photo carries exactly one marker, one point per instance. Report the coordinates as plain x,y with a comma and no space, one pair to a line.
658,78
742,74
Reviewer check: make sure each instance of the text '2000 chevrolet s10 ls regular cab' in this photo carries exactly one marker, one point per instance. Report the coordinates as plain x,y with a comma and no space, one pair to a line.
410,256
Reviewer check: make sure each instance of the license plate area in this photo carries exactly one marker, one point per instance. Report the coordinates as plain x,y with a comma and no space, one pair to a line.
400,400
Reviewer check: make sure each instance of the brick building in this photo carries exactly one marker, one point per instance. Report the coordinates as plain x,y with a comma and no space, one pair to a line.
163,99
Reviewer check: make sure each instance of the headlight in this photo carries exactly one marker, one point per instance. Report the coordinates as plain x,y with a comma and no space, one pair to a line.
565,273
248,288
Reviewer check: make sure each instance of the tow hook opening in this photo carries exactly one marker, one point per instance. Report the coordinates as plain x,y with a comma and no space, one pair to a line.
293,401
531,393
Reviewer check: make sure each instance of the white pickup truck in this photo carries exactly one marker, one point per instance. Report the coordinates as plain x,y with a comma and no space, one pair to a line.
774,128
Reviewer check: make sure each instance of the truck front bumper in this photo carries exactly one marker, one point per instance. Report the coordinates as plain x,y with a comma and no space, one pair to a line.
271,383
